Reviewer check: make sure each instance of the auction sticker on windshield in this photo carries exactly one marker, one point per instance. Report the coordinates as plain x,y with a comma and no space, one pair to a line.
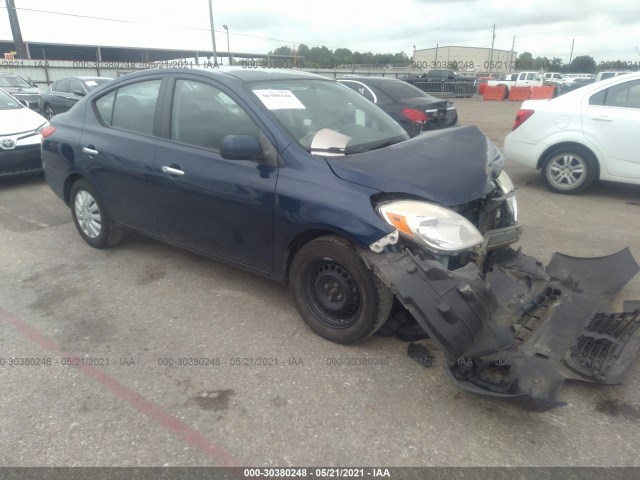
279,99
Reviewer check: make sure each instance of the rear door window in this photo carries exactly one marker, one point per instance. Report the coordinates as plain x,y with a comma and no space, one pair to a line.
132,107
625,95
61,86
75,86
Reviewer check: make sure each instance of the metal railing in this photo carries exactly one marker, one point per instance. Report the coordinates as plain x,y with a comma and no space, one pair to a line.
447,89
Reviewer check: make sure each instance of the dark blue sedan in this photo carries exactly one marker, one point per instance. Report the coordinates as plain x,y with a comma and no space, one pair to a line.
299,178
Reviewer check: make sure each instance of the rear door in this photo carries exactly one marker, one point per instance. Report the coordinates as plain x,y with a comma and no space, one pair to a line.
219,206
118,147
57,97
76,92
611,120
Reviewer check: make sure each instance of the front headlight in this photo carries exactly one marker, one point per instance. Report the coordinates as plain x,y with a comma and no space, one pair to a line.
441,230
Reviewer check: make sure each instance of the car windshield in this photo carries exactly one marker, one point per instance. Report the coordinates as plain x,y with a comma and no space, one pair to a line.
326,117
95,82
7,102
13,81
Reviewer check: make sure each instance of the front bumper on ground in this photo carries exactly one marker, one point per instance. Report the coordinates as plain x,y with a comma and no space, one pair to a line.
520,329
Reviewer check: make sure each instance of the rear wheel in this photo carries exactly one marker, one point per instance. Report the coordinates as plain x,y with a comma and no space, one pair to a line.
336,294
95,225
569,170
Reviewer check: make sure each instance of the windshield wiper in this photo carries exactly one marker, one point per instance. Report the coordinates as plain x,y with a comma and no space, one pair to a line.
327,150
373,146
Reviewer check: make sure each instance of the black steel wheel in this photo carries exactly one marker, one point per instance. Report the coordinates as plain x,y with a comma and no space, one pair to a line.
336,294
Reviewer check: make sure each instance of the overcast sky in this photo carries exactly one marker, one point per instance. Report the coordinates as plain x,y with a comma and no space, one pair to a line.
606,30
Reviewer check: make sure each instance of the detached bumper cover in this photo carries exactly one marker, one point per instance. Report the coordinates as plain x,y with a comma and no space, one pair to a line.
522,329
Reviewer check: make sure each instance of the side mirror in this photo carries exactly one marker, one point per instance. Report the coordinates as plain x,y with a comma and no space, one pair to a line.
79,93
241,147
30,82
24,102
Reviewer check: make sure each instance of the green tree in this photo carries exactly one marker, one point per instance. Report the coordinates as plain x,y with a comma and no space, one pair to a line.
525,61
302,52
556,64
583,64
343,56
284,50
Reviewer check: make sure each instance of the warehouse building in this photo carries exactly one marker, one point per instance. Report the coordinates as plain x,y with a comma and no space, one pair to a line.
466,59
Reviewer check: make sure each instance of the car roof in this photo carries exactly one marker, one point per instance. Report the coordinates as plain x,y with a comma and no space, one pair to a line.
91,78
596,86
254,75
234,73
365,79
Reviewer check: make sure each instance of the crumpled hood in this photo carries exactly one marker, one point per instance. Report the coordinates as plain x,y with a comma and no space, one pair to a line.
448,167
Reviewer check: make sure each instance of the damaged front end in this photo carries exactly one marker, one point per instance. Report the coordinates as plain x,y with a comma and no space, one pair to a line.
507,325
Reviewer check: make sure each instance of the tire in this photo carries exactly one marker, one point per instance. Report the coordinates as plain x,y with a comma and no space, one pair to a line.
95,225
336,294
569,170
48,112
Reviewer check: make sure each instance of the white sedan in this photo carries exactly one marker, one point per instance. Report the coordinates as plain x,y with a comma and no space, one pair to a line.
587,134
20,129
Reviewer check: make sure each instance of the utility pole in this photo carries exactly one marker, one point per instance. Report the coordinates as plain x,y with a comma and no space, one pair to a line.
213,36
513,46
493,39
571,54
21,48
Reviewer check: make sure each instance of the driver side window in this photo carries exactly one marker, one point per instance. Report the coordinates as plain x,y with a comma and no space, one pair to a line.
202,115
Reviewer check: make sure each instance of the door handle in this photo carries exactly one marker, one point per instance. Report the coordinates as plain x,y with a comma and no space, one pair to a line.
602,118
90,150
172,171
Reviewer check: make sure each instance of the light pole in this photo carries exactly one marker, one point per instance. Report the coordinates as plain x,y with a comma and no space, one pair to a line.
213,36
228,50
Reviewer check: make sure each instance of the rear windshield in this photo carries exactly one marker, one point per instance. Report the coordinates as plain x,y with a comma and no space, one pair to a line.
400,89
95,82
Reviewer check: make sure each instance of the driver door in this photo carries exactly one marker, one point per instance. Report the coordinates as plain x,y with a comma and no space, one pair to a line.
218,206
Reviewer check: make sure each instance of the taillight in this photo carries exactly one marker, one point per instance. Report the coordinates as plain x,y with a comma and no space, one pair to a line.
46,131
521,117
414,115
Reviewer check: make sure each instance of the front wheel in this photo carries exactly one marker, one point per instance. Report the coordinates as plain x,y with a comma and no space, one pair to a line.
95,225
569,170
336,294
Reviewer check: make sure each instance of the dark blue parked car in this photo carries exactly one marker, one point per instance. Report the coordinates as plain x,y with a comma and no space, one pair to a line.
301,179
